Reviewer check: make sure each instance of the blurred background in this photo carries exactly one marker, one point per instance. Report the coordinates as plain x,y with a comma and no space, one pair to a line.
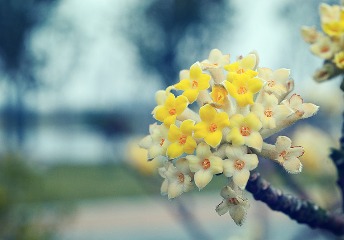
77,85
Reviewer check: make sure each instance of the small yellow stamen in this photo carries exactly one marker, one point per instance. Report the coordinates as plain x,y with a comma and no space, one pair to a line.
212,127
242,90
268,112
245,131
239,164
182,139
205,164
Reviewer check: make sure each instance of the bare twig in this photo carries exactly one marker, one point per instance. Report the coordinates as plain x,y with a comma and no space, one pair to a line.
300,210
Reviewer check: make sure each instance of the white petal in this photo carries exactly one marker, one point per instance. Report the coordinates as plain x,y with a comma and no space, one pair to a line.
160,97
222,208
146,142
156,150
295,101
194,163
228,192
182,165
251,161
202,178
175,189
216,165
203,150
269,122
254,140
265,73
188,184
282,75
238,213
283,143
240,178
228,167
235,152
164,187
293,165
296,151
309,109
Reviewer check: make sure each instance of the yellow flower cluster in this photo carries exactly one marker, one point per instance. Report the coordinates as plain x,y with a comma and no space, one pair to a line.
240,105
329,43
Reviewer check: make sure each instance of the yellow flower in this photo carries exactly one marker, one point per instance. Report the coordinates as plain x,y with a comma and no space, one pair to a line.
245,66
170,109
244,130
243,88
219,95
339,60
181,139
196,82
210,128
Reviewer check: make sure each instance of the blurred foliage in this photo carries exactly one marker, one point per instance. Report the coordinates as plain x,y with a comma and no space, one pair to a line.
162,29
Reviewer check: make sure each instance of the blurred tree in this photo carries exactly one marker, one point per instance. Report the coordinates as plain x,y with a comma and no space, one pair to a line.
17,20
169,34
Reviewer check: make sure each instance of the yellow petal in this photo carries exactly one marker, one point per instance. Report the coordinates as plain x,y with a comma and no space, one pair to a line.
174,133
203,82
235,136
236,120
201,130
231,88
190,145
169,120
248,62
253,122
187,126
174,150
207,113
181,104
213,138
222,120
183,84
232,67
160,113
170,101
195,71
254,84
191,94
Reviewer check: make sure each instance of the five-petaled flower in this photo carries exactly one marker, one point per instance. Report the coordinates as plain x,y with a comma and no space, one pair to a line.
244,66
210,128
205,164
287,155
239,164
181,139
194,83
233,203
172,107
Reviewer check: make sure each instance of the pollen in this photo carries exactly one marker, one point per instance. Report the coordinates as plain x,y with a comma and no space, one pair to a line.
242,90
180,177
205,164
268,112
240,71
162,141
194,84
212,127
324,49
245,131
271,83
283,154
182,139
233,201
172,111
239,164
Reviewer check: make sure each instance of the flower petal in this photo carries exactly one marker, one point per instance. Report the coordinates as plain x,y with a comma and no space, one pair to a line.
174,133
235,137
191,94
187,127
213,138
240,178
251,161
174,150
222,208
234,153
228,167
228,192
194,163
238,214
207,113
203,150
254,140
183,85
283,143
216,165
190,145
181,104
292,165
175,189
202,178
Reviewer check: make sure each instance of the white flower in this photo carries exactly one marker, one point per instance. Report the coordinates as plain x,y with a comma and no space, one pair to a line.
205,164
324,47
234,204
156,143
287,155
177,179
215,63
310,34
305,110
269,112
239,164
278,82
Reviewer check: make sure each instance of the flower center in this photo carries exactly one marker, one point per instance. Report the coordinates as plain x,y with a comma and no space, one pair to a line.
268,112
233,201
239,164
205,164
182,140
242,90
162,141
194,84
283,154
271,83
180,177
212,127
324,49
172,111
245,131
240,70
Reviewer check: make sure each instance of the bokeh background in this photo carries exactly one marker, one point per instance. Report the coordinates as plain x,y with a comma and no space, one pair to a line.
77,85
